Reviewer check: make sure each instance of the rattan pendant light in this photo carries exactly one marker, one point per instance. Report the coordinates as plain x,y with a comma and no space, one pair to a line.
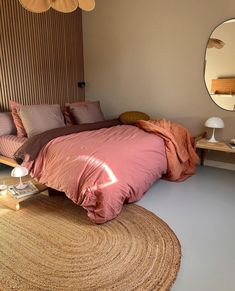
215,43
65,6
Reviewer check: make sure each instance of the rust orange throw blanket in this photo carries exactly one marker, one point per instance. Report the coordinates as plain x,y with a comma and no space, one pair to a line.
181,156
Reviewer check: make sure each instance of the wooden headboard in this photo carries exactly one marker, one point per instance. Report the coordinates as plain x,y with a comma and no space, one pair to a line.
41,56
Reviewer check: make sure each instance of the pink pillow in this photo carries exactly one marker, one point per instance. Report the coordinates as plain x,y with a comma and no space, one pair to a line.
69,120
86,112
17,120
77,103
68,116
7,124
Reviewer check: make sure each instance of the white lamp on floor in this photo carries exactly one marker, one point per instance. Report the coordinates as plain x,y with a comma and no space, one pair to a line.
214,122
19,172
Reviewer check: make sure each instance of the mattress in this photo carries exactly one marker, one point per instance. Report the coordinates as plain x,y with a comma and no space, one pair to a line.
9,144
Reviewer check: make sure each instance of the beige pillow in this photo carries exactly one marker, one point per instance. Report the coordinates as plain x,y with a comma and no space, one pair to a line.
39,118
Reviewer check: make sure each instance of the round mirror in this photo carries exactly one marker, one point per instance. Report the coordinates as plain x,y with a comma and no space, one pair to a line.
220,65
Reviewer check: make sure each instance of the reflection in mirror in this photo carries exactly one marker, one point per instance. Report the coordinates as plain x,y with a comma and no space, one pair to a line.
220,65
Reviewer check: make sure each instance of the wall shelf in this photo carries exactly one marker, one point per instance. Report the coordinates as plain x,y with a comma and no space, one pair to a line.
224,86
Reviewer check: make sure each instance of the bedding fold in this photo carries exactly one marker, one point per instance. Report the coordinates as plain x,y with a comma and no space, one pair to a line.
181,155
9,144
30,149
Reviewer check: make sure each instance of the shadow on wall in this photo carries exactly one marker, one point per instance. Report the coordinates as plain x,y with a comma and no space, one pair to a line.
194,124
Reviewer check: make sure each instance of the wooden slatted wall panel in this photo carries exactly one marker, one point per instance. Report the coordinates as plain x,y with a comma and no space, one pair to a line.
41,56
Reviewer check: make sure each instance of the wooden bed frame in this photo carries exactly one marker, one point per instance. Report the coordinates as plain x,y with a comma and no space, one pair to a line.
8,161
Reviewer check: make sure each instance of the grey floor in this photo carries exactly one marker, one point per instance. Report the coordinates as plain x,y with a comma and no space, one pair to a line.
201,211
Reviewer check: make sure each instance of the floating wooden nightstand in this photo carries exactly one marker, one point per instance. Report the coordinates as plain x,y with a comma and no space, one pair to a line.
203,145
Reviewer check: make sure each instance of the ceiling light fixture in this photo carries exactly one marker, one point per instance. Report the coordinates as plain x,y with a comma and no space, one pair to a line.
65,6
215,43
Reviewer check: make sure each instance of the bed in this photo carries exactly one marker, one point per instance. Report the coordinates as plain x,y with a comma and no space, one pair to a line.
103,164
98,169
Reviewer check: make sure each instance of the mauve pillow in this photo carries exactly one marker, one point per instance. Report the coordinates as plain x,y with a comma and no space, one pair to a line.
86,112
39,118
17,121
7,125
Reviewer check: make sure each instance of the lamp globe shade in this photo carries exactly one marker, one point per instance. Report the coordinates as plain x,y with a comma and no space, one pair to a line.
19,172
36,6
214,122
86,5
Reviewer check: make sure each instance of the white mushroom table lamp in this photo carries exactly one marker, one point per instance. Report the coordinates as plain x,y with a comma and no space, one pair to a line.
214,122
19,172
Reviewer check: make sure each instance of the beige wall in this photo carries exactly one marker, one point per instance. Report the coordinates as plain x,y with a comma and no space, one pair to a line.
149,55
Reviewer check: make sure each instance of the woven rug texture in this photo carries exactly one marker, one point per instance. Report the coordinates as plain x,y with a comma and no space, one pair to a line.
50,244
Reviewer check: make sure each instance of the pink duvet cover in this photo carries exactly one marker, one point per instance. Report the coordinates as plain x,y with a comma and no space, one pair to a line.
102,169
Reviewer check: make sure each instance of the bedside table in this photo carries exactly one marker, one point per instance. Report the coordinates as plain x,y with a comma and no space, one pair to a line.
13,203
221,146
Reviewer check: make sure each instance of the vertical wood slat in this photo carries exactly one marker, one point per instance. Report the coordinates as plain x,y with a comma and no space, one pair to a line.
41,56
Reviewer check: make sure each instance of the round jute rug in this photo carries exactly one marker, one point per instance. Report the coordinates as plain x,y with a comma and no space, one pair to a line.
50,244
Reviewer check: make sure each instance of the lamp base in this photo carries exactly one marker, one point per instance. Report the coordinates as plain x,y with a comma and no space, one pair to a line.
21,186
212,139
